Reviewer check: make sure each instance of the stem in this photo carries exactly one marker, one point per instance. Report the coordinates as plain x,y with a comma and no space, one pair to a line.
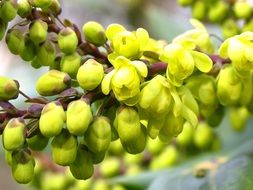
59,20
23,94
157,68
217,37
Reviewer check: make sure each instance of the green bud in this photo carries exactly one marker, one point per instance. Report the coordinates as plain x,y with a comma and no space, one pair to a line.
172,127
238,117
41,3
185,138
70,64
35,63
52,119
81,185
46,53
52,83
131,159
199,10
101,184
134,170
167,158
229,86
8,10
155,97
29,51
242,9
110,167
54,8
94,33
38,31
98,157
230,28
8,157
218,12
14,134
90,74
82,167
24,8
22,167
203,136
67,40
79,116
9,89
3,27
37,142
64,148
118,187
154,126
98,135
116,148
15,41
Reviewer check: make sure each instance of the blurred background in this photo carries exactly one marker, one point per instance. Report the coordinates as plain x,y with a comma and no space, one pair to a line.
164,19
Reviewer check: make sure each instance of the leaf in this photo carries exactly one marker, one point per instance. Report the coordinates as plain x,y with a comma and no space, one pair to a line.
202,61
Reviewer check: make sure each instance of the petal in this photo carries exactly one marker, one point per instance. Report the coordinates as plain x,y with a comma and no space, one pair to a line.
223,50
106,82
142,37
202,61
112,30
141,68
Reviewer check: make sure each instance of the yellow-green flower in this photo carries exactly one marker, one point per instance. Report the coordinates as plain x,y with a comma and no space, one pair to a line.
197,37
125,79
182,62
126,43
239,49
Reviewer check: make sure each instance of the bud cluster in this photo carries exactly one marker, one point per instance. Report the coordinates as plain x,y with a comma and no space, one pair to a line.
109,84
234,16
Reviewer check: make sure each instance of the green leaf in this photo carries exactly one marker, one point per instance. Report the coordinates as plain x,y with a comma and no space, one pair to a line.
202,61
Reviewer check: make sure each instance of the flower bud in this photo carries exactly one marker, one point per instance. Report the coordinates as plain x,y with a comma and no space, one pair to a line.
8,10
90,74
24,8
64,148
38,31
238,118
216,117
15,41
54,8
154,126
131,133
14,134
97,157
35,63
242,9
52,180
41,3
9,89
29,51
53,82
23,167
37,142
79,116
70,64
155,97
52,119
229,86
155,146
82,167
46,53
94,33
172,127
203,136
3,27
218,12
110,167
199,10
248,26
98,135
67,40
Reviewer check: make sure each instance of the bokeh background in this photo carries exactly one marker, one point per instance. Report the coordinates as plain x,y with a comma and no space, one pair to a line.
164,19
